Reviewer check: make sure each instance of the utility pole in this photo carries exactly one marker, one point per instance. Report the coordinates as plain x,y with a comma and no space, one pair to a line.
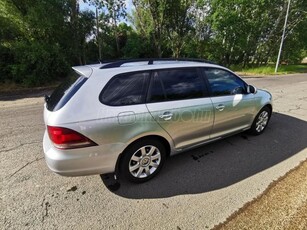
282,38
97,34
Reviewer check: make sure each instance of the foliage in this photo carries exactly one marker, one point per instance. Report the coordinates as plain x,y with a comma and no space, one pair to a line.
32,52
40,40
37,63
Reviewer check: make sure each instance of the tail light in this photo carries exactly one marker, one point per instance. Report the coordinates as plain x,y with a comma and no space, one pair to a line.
64,138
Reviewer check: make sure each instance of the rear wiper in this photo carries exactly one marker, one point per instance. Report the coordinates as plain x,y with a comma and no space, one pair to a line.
47,98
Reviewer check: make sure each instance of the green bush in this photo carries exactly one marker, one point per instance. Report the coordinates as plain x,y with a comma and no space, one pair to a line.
37,64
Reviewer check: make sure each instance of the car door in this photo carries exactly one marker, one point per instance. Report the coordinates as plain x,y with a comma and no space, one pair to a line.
233,106
179,102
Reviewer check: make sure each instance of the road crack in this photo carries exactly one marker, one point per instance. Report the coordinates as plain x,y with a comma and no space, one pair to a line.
45,210
45,206
297,107
21,168
18,146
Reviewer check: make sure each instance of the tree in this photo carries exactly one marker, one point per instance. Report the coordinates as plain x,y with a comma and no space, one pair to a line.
38,47
86,21
155,12
242,31
35,48
112,11
179,23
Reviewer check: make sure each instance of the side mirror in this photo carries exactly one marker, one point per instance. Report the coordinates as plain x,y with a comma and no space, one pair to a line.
251,89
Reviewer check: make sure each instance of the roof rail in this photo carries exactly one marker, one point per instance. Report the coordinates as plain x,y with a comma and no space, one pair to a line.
118,63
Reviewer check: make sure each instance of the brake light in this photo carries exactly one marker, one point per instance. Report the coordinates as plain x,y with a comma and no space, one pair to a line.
64,138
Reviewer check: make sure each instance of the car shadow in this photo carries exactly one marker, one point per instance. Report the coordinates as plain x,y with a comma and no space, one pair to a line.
220,164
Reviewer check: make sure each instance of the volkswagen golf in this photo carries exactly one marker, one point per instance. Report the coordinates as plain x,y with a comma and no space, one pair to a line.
129,116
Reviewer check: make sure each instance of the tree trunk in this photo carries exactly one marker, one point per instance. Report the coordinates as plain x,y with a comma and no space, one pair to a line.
74,24
157,42
116,34
97,35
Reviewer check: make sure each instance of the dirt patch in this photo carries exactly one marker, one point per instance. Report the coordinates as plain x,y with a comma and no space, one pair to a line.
283,205
16,94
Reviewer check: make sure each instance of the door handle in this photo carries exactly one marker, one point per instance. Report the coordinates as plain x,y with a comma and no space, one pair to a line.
220,107
166,116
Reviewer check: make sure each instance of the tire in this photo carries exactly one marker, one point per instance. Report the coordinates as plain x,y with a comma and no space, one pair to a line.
142,160
261,121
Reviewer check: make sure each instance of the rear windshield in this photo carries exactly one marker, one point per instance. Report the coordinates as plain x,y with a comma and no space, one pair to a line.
64,92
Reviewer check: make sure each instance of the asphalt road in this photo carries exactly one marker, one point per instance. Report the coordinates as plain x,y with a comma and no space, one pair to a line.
195,190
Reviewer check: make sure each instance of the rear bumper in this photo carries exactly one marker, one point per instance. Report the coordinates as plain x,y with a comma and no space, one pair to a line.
83,161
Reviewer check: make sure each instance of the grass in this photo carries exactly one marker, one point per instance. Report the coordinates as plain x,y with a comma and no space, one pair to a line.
270,69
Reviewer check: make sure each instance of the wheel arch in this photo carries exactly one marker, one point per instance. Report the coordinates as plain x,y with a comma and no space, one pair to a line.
270,107
151,137
260,107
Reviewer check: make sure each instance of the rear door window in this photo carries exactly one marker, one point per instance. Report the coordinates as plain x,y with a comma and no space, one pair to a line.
64,92
126,89
176,84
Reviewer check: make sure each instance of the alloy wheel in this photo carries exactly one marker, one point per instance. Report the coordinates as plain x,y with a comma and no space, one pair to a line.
262,121
145,161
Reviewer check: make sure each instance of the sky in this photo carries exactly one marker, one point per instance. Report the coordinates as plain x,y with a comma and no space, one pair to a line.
86,6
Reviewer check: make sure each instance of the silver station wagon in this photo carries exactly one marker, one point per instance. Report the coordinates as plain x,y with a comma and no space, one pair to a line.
128,116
